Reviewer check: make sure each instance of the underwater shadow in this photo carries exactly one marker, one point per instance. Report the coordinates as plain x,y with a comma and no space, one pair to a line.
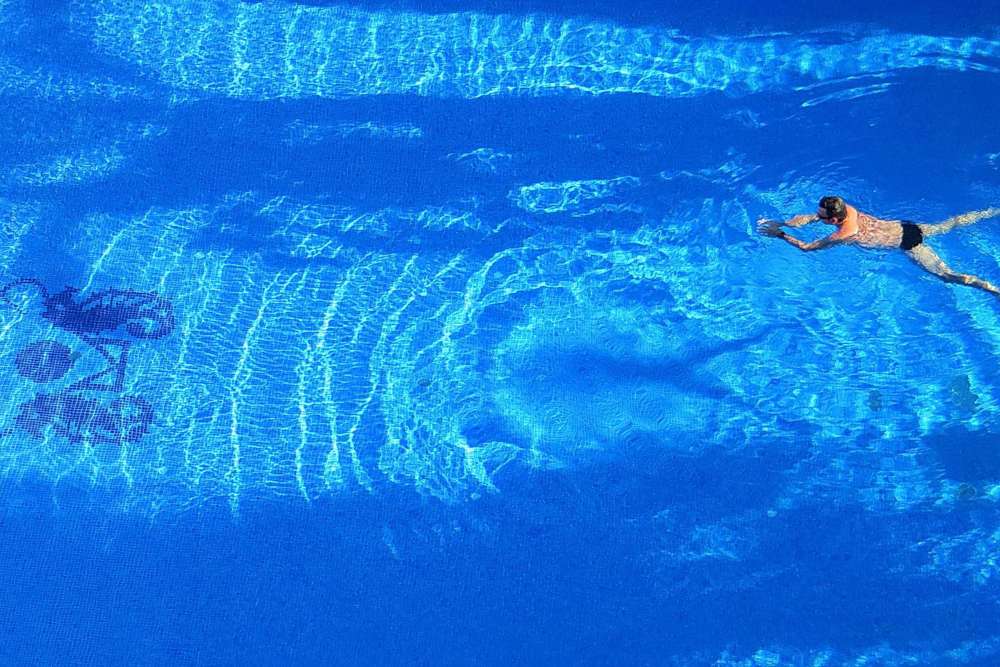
966,456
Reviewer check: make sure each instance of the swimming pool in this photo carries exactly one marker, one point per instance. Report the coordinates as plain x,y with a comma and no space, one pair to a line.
442,334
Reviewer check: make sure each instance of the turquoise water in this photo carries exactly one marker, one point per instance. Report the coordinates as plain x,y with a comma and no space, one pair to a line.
437,334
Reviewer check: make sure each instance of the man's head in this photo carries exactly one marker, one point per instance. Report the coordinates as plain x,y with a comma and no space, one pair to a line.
832,210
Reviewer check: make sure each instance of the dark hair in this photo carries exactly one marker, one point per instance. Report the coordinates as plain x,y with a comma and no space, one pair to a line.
835,207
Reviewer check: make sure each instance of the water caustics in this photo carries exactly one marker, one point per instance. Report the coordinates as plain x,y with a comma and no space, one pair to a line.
317,348
273,50
299,361
312,364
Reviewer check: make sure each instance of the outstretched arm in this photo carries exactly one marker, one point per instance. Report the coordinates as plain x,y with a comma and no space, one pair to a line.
819,244
773,228
800,220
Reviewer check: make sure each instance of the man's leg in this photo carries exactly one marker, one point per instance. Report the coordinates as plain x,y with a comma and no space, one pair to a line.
929,260
958,221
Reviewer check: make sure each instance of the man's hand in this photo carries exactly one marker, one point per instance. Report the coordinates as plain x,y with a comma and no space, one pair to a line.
769,227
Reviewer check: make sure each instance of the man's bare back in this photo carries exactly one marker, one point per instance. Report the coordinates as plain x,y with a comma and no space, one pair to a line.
867,231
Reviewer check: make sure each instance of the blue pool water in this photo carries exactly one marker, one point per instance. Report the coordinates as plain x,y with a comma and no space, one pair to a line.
440,333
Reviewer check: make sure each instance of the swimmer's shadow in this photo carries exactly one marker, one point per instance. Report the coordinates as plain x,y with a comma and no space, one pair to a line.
966,456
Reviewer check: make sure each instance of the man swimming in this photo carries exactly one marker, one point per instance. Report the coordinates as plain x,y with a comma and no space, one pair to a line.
867,231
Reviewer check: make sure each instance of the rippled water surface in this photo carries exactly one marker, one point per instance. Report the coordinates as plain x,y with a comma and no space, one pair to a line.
402,333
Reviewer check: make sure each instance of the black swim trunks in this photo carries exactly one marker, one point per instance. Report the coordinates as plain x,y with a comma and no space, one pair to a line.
912,236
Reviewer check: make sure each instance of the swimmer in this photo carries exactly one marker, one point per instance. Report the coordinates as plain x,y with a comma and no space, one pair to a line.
855,227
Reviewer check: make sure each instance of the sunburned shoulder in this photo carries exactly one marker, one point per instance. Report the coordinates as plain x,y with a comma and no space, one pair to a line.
845,234
874,218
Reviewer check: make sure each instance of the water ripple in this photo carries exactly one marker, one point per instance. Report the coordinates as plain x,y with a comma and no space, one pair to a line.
274,50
